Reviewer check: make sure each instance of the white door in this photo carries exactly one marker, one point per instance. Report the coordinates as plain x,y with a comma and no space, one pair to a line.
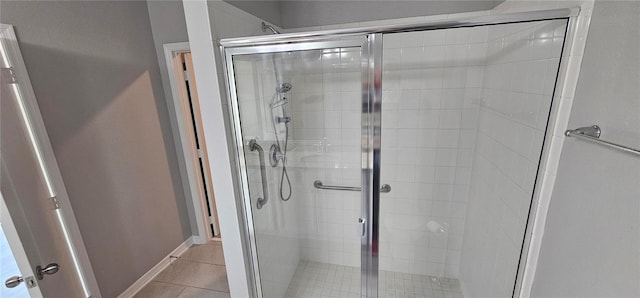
36,215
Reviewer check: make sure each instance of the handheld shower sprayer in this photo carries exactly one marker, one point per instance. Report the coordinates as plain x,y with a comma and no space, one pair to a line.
281,99
283,88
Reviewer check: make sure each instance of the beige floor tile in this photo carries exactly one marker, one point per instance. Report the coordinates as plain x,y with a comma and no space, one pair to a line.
206,253
190,292
160,290
200,275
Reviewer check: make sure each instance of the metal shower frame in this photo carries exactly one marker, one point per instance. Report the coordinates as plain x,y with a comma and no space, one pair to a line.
369,40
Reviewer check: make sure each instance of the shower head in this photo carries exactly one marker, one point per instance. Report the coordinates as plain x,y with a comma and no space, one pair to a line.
270,28
279,100
283,88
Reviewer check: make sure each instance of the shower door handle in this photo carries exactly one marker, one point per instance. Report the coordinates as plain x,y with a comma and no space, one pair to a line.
253,146
362,226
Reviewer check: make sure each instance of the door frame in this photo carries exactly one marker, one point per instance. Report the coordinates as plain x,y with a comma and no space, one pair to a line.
47,159
187,151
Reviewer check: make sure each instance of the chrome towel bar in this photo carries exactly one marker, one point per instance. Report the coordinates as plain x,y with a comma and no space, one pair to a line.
318,184
592,134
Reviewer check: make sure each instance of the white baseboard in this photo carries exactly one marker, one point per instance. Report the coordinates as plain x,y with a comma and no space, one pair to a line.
199,240
155,270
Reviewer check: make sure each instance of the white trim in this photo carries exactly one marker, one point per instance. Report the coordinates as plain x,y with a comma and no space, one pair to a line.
181,113
155,270
566,87
49,165
207,70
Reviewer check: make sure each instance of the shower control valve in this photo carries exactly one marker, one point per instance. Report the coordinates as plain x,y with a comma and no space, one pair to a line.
283,119
275,155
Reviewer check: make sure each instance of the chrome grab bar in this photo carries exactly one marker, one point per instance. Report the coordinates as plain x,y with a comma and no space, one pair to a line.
253,146
592,134
318,184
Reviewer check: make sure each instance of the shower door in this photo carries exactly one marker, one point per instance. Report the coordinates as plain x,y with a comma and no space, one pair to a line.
464,121
464,117
302,116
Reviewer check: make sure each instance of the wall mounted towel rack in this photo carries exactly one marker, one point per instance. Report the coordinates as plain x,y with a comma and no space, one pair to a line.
592,134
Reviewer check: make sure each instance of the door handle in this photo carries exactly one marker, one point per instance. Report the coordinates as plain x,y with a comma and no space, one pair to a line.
14,281
362,226
48,270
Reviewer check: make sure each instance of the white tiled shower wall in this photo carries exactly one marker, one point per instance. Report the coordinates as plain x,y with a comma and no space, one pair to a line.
431,87
325,109
431,84
520,73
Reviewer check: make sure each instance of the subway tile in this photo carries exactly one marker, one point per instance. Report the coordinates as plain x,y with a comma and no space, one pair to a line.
432,78
412,57
409,100
408,118
456,55
450,119
434,56
411,39
426,156
429,119
434,37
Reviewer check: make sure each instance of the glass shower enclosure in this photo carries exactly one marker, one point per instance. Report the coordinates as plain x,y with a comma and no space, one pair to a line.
396,161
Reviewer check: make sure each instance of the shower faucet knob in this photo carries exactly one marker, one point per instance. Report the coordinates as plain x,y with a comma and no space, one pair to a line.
275,155
283,119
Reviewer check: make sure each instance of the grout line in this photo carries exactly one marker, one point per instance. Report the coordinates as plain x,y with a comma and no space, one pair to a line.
185,286
192,261
183,289
206,289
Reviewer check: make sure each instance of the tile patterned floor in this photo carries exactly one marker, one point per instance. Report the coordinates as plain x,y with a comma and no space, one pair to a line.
314,279
199,272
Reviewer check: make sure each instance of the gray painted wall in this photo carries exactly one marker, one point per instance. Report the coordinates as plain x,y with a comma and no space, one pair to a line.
316,13
591,243
168,26
268,10
95,73
307,13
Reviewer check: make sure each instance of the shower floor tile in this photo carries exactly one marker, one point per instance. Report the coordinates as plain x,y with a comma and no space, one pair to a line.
313,279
